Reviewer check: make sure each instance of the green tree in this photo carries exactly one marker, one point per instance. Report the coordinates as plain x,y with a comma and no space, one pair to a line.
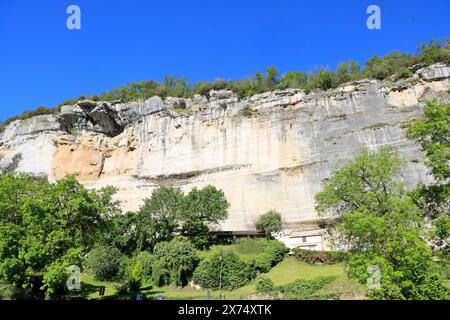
272,76
294,79
269,223
45,228
174,261
157,219
104,262
433,134
380,226
202,207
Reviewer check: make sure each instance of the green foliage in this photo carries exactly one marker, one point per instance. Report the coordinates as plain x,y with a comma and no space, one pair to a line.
365,183
146,260
136,277
435,51
104,262
174,261
263,283
208,204
313,256
197,232
294,79
441,234
269,223
321,79
44,228
303,289
402,73
156,220
380,226
433,133
224,270
201,206
261,255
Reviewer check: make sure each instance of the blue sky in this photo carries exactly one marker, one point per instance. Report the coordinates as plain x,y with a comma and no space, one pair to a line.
44,63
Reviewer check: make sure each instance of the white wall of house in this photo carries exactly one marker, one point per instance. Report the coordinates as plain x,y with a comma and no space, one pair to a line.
306,242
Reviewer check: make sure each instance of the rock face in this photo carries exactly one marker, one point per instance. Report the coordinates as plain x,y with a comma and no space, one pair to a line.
275,155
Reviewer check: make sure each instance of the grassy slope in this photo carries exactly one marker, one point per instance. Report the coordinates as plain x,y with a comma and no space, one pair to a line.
285,272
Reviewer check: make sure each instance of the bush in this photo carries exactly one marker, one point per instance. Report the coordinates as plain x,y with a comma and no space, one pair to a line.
313,256
263,283
223,271
146,260
301,288
261,254
273,252
136,277
104,262
269,223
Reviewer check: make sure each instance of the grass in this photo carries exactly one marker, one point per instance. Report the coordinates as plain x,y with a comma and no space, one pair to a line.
287,271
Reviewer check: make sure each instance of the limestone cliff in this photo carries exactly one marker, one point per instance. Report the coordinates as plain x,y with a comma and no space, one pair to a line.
270,151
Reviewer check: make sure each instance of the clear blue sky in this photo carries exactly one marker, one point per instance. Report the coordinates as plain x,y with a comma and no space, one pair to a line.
43,63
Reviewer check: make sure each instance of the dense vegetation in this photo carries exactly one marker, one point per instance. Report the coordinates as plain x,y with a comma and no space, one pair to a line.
238,264
45,228
382,226
395,65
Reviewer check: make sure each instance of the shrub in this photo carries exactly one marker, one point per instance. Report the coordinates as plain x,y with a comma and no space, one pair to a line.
263,283
273,252
223,271
146,260
402,73
313,256
301,288
136,277
104,262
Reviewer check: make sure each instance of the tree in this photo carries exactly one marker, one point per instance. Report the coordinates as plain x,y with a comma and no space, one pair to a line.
45,228
174,261
380,227
294,79
269,223
202,207
104,262
433,134
272,76
158,218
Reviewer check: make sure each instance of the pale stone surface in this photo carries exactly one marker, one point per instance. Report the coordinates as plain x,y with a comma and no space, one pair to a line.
275,159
